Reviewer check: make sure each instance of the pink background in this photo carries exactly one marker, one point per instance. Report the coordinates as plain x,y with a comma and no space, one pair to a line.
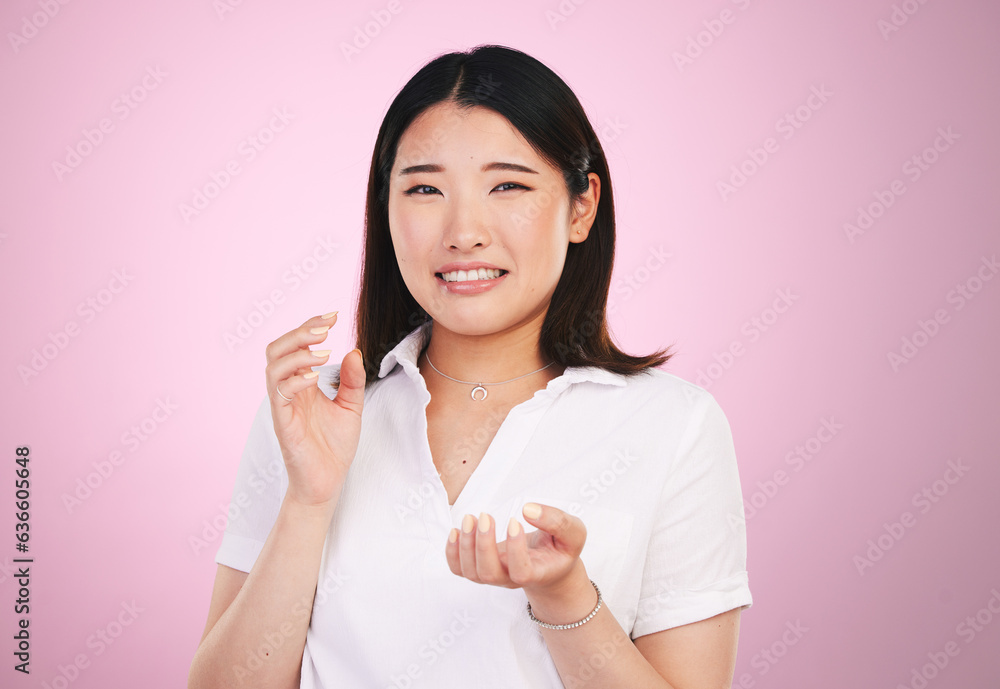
672,133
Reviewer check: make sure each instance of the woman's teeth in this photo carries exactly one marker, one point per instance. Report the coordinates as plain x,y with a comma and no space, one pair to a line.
481,274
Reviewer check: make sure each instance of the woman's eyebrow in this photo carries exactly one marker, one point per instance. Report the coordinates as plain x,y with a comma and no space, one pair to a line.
434,167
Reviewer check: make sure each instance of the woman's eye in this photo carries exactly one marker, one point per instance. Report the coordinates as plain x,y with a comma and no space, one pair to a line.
512,185
413,191
417,190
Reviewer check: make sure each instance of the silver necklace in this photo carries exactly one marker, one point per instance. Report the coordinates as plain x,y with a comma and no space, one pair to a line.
479,386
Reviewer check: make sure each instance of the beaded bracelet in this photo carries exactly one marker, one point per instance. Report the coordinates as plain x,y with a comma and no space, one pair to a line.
574,624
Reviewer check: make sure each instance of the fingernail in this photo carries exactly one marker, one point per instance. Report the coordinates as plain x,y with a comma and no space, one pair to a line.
513,527
330,315
324,353
532,510
467,523
319,331
484,522
311,374
453,535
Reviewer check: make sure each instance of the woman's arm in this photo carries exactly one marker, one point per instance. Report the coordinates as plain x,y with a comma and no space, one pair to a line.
600,655
260,630
261,634
597,654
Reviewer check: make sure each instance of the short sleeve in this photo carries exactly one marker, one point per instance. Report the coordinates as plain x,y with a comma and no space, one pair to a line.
695,565
261,482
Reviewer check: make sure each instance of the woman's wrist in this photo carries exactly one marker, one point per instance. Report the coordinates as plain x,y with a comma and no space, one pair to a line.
567,601
322,511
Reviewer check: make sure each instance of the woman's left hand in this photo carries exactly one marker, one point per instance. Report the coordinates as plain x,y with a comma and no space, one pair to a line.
539,562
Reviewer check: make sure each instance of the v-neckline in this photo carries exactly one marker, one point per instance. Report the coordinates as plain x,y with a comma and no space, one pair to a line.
510,439
483,465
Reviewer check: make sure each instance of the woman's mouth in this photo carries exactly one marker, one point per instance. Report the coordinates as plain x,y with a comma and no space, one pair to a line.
471,281
471,275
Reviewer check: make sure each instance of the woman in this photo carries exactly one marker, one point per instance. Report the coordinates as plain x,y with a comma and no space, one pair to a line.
485,383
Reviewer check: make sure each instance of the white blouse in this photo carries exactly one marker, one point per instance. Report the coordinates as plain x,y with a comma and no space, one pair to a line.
646,462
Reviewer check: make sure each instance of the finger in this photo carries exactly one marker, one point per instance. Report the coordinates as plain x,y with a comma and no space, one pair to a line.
519,567
297,369
296,360
308,358
289,359
297,363
467,548
351,393
451,552
284,390
488,567
301,337
566,532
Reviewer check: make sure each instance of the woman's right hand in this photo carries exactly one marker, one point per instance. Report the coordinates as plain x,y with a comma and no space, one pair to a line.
318,436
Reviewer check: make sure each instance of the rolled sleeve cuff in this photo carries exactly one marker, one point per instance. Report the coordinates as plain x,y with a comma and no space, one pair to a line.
238,552
676,608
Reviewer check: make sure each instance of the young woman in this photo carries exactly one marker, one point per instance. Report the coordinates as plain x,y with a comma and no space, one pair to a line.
487,492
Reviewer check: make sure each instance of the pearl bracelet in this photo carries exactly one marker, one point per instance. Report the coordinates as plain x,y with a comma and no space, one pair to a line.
574,624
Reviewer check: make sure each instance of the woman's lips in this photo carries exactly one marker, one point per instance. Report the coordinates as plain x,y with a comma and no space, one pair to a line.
470,286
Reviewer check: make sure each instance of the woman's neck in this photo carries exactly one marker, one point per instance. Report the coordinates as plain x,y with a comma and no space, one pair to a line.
487,359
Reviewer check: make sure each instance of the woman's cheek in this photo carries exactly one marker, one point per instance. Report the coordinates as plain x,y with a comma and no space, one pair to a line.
406,232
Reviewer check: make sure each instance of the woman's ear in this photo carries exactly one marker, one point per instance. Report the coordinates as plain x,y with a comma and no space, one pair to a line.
585,210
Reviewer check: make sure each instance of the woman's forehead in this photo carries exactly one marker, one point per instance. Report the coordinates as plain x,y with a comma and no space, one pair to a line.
446,134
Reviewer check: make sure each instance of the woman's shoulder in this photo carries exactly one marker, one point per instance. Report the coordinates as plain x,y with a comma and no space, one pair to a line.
662,390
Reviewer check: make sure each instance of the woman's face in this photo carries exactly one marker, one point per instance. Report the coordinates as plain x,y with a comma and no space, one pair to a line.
467,190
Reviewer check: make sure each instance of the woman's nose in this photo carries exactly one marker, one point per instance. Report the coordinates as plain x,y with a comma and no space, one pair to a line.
466,224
